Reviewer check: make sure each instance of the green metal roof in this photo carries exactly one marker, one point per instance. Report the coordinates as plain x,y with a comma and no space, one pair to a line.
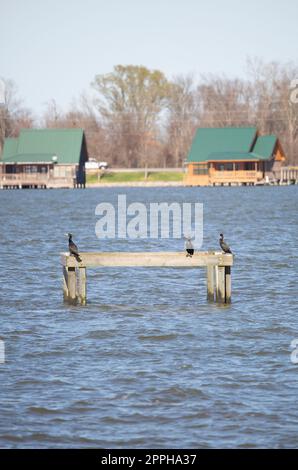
30,158
33,145
221,139
232,156
10,146
264,146
230,143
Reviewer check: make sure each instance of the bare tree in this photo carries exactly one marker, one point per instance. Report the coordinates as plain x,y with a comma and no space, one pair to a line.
182,119
80,115
274,110
53,115
13,115
289,108
224,102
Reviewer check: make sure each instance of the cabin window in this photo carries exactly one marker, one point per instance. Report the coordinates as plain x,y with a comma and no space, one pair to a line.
30,169
200,169
237,166
249,166
220,167
10,169
229,166
224,166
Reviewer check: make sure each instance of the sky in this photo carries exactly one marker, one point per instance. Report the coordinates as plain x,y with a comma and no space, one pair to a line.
53,49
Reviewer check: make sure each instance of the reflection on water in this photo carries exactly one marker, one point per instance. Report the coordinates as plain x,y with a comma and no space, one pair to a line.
148,363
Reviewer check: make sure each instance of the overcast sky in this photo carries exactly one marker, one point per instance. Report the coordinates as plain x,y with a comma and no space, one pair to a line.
54,48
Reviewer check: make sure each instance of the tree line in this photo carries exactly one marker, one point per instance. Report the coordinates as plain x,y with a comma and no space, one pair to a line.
136,117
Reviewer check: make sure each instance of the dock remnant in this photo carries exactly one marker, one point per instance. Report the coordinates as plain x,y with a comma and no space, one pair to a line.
218,266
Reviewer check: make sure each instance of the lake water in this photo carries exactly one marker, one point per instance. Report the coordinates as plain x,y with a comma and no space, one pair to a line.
148,362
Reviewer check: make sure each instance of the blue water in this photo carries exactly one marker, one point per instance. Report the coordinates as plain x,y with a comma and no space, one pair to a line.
148,362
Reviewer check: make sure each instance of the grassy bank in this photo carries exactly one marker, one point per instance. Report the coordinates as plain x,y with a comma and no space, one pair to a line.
135,177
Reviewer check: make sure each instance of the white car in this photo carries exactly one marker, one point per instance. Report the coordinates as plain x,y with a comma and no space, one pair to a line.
103,165
91,165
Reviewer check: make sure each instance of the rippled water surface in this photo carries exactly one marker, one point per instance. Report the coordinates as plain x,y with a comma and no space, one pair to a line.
148,362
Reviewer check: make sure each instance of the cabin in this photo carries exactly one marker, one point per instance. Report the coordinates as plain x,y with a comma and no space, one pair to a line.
233,156
44,158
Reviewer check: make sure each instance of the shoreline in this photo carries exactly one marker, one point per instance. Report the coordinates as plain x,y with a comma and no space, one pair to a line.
138,184
150,184
156,184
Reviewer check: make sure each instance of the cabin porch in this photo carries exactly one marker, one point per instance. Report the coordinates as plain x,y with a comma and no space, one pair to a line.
37,175
225,172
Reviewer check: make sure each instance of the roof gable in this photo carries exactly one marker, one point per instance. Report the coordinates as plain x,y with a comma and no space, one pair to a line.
225,139
264,146
34,144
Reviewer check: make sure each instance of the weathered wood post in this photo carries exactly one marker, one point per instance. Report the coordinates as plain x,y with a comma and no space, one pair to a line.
82,286
223,284
220,287
228,284
72,285
65,284
210,282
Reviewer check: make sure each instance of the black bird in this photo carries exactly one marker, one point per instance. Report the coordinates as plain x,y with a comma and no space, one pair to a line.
223,245
73,249
189,247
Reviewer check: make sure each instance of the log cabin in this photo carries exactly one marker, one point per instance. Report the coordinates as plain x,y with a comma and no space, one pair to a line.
44,158
233,156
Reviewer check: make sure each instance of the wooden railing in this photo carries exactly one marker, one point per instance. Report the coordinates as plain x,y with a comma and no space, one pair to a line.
24,176
38,179
289,173
237,175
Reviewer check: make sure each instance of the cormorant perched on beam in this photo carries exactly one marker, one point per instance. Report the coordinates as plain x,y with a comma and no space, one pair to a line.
189,247
223,245
73,249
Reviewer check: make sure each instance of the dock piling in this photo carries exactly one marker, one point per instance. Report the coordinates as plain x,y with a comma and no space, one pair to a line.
65,284
228,284
82,286
72,285
220,286
210,283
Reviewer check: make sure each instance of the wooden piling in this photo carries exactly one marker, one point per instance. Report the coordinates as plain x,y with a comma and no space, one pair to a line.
228,284
210,282
82,286
220,287
65,284
72,285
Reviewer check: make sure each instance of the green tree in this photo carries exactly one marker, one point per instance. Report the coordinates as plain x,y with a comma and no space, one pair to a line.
182,119
131,99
